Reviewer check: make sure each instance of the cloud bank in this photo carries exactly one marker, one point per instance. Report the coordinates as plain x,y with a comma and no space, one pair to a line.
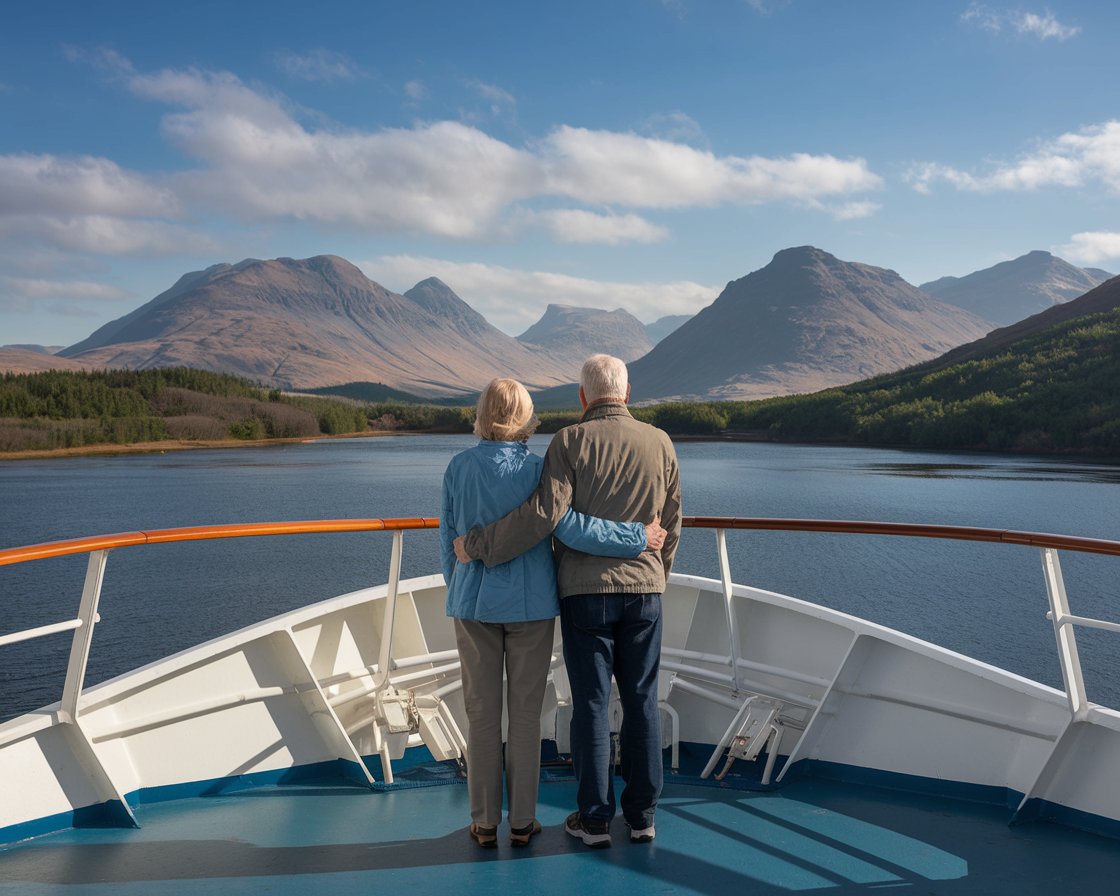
253,159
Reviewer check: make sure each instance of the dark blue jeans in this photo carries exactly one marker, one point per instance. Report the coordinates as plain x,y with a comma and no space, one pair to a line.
617,634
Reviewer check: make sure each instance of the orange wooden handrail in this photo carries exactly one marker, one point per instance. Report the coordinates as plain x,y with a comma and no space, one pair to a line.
914,530
199,533
86,545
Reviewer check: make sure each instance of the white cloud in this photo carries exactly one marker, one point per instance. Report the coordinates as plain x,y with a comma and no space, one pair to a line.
1043,26
493,94
514,300
319,65
1091,248
626,169
852,211
580,226
675,126
1071,160
51,185
90,205
415,91
255,160
106,235
449,178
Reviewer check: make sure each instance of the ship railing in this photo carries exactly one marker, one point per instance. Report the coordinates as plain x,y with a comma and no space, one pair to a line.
98,548
1063,620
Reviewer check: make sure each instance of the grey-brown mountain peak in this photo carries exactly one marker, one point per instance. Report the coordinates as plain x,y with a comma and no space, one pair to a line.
579,332
1013,290
439,300
319,321
806,321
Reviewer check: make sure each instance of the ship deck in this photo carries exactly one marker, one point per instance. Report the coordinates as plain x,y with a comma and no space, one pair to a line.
808,836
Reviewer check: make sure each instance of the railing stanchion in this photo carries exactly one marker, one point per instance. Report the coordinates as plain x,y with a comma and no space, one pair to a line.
83,635
1064,632
732,624
381,680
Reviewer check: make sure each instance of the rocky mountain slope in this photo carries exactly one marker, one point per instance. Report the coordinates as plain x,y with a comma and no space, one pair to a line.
663,326
579,332
316,322
804,322
1013,290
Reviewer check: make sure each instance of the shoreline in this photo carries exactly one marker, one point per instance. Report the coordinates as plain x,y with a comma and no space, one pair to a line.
162,447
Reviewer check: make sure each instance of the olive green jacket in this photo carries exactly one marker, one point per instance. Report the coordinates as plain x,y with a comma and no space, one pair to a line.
608,465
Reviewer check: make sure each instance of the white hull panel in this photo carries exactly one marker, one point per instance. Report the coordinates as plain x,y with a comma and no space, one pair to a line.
298,690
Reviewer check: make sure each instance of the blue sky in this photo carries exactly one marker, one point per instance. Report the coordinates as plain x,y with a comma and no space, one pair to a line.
636,153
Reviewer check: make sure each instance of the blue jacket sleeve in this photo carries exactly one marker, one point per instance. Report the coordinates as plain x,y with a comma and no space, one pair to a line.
447,531
593,535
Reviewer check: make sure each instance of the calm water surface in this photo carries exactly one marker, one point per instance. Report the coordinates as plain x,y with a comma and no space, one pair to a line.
988,601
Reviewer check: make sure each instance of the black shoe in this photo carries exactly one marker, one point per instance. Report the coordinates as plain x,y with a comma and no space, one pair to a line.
595,834
522,836
642,835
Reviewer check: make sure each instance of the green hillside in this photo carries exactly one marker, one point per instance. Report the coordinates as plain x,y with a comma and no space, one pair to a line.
1055,391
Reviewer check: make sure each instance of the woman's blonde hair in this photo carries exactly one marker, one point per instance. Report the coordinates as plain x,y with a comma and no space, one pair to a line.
505,412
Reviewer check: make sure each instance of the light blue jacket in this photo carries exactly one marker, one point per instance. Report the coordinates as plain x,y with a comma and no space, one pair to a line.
483,484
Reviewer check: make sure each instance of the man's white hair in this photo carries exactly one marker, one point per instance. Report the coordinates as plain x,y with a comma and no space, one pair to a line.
603,376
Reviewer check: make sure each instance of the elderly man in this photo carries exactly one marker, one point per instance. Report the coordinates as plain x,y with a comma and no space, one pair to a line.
611,466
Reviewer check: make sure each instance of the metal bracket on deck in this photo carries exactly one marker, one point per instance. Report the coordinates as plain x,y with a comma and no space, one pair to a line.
755,724
400,714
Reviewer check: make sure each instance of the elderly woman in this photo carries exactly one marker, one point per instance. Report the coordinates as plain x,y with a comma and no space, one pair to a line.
505,616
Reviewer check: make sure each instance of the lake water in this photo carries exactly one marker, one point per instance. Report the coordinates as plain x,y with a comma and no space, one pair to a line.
986,600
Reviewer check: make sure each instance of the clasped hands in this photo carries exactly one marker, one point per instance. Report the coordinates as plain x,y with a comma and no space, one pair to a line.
655,540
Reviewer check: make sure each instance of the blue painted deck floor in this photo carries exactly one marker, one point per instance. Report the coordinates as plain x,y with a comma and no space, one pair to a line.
808,837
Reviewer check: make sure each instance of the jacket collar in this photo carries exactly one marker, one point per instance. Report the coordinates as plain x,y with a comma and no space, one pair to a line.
608,408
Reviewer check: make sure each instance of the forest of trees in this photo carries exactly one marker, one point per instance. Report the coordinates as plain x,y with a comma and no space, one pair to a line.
66,409
1057,392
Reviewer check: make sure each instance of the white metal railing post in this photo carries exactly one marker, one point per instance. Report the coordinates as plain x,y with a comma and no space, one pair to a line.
83,635
732,624
1064,632
382,678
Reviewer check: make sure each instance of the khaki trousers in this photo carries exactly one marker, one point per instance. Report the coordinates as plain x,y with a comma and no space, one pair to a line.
524,651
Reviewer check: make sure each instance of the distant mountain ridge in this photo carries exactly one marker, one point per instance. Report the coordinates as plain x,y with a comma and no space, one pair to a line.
804,322
317,322
1013,290
663,326
586,331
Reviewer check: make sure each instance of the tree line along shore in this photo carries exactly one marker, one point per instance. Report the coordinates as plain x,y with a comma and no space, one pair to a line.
1052,395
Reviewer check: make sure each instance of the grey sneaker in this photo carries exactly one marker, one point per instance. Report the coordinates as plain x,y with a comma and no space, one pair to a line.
642,835
595,834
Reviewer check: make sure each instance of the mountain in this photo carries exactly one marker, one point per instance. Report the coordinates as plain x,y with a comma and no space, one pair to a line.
663,326
804,322
566,331
1105,297
1043,385
318,322
35,359
1013,290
